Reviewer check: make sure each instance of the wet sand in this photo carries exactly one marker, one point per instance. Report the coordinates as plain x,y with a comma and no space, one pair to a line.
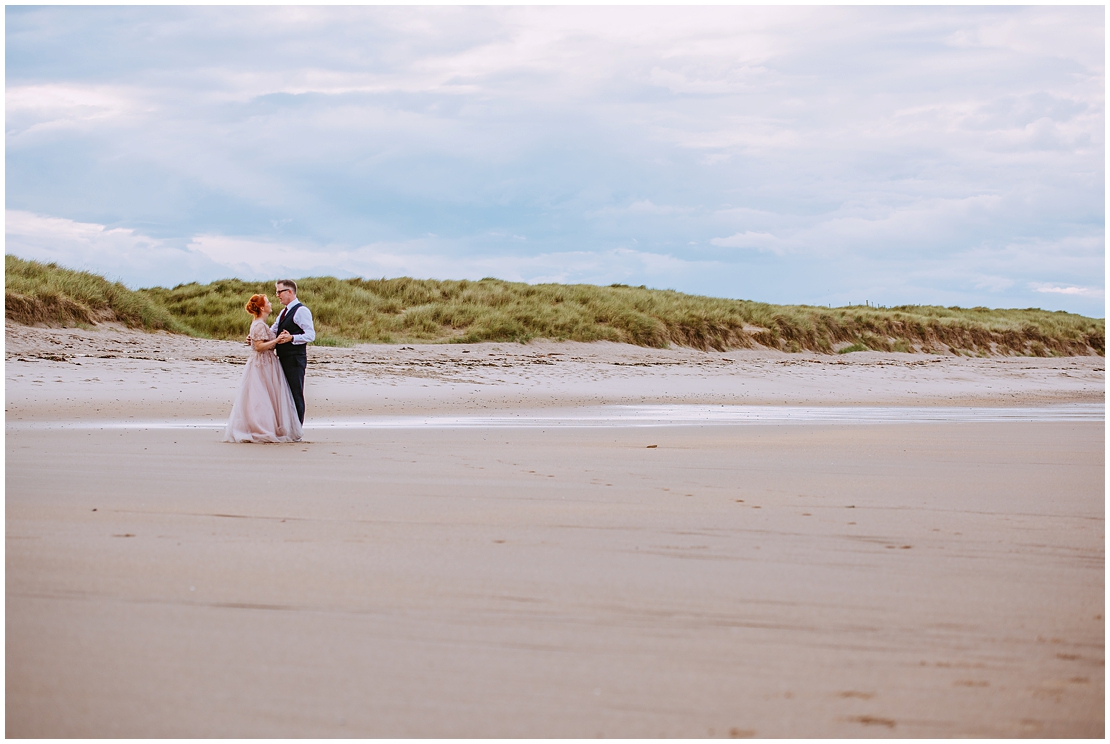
942,579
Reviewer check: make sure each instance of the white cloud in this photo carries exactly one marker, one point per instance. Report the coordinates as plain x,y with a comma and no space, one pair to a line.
1079,291
759,241
1058,31
77,101
437,259
250,258
929,219
120,254
641,207
1075,257
53,106
140,261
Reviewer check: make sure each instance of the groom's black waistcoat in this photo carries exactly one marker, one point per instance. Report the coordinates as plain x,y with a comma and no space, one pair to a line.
287,324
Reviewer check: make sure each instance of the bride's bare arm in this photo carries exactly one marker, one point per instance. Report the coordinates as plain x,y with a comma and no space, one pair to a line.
265,345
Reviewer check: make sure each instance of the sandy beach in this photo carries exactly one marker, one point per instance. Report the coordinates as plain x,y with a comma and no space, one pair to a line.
800,579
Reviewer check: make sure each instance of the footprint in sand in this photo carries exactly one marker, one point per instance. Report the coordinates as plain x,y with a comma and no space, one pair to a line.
873,721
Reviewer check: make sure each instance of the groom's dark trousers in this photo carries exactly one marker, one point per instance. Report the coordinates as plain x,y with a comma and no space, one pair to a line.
294,360
294,366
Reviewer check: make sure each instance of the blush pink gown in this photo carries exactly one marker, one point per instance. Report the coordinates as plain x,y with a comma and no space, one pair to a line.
264,409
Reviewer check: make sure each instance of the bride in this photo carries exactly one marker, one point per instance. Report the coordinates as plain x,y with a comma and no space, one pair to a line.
264,409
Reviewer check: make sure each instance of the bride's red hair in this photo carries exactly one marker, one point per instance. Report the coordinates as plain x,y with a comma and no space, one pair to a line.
256,304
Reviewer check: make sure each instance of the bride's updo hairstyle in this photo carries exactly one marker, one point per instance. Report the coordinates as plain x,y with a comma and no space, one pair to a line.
256,305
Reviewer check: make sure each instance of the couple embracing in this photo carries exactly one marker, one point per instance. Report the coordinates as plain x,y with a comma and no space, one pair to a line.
270,404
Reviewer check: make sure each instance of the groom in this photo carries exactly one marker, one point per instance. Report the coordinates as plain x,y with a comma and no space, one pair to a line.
294,331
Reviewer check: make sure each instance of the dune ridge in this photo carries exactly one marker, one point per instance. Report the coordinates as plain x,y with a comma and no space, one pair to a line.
406,310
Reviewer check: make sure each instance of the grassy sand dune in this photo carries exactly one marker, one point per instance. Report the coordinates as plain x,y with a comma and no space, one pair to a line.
411,310
49,294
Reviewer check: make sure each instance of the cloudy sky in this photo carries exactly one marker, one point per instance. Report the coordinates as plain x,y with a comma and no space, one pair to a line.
949,156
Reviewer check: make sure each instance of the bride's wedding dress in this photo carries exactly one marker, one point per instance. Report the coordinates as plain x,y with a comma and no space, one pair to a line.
264,409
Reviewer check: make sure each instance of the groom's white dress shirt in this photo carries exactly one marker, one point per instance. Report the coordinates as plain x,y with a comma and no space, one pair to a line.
302,316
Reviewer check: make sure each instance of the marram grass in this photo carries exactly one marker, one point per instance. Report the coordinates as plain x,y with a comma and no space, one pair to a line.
349,311
37,293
